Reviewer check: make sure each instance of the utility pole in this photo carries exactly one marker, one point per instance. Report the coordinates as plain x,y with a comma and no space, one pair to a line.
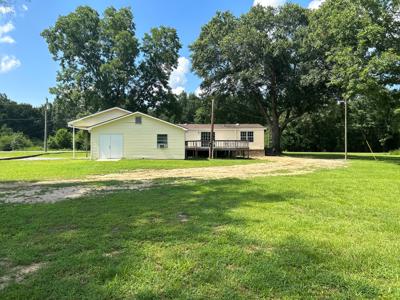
211,154
345,126
345,129
45,126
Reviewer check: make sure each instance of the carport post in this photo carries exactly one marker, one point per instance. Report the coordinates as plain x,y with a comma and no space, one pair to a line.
73,141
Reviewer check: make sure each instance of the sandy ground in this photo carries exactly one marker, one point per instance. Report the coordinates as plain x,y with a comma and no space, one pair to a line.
16,273
49,192
269,166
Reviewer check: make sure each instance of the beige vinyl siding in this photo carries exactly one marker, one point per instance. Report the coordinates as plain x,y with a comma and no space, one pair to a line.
231,134
102,117
140,140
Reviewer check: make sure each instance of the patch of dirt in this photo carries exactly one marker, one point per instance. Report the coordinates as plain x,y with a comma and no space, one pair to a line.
112,253
18,274
42,158
46,192
183,218
269,166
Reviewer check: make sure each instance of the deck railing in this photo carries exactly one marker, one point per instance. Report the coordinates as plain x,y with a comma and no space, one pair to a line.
219,144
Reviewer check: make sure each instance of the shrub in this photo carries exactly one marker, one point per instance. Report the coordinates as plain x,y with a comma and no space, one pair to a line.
82,140
51,143
14,141
395,152
61,140
5,142
20,141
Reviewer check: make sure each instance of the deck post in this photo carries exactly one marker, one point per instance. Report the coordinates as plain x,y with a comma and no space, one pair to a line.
73,141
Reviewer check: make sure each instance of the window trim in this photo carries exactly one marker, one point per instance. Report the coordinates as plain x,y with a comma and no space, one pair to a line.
247,136
159,142
205,142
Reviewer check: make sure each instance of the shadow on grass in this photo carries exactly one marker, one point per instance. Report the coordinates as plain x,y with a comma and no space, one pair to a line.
184,241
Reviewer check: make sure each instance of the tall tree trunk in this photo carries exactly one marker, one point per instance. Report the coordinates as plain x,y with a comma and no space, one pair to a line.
276,136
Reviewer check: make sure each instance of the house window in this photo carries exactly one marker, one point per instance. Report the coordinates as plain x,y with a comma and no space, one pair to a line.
138,120
247,136
205,138
162,141
250,136
243,136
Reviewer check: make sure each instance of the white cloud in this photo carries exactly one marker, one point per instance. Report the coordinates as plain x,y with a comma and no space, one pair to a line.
315,4
266,3
4,29
24,7
179,90
6,39
178,80
6,10
198,92
8,63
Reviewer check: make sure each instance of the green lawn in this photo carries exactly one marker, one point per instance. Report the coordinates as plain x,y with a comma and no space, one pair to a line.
55,154
4,154
330,234
22,170
339,155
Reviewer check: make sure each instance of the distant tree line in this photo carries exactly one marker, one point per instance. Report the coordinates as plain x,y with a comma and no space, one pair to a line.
288,68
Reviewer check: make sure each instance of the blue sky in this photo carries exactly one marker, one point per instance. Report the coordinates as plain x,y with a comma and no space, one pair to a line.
27,70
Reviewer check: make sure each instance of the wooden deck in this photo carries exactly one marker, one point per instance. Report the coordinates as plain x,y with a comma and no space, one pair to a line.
230,148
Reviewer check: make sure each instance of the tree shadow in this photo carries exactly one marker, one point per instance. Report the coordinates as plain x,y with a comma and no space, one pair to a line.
185,241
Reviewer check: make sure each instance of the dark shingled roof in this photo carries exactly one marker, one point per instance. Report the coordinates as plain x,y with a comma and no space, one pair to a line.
219,126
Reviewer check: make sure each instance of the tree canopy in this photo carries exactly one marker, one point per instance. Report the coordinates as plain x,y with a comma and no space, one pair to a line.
260,58
293,63
358,45
103,64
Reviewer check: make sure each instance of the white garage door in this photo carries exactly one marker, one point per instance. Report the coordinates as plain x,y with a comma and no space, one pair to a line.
110,146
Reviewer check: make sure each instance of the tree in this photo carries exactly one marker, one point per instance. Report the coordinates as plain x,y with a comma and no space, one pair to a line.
186,108
359,49
21,117
259,59
61,140
359,42
10,140
102,63
82,140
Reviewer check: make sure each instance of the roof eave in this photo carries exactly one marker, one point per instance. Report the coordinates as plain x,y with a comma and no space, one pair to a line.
131,114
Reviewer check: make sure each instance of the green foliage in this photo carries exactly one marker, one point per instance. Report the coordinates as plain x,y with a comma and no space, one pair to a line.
20,141
51,143
395,152
61,140
22,117
259,59
282,64
10,140
82,140
359,51
323,130
5,142
187,108
102,63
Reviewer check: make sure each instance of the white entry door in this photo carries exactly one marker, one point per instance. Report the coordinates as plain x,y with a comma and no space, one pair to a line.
111,146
